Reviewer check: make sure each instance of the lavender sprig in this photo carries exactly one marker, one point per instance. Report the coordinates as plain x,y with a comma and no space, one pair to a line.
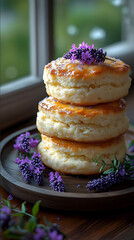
15,225
86,54
118,173
113,166
54,232
38,168
104,183
31,168
29,162
25,142
6,219
56,182
25,169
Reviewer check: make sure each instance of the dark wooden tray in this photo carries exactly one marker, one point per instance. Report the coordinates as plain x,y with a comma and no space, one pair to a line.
73,199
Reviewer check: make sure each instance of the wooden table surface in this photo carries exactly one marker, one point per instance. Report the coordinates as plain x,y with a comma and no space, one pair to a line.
117,224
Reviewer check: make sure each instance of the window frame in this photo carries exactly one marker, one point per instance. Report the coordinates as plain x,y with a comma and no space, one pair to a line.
19,99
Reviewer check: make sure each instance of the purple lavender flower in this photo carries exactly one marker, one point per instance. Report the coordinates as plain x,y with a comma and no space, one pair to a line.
85,45
24,143
73,57
10,197
24,168
5,210
104,183
36,161
17,160
5,218
56,182
33,142
54,235
122,171
38,176
97,55
54,232
86,54
38,168
29,168
40,234
73,47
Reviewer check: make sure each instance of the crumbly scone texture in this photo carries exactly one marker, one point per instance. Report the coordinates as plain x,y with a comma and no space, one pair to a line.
78,158
82,84
80,123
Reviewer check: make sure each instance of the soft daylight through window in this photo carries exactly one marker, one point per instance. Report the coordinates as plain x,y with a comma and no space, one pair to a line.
94,21
15,35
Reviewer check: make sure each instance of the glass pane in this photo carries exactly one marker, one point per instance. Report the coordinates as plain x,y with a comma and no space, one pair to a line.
15,51
91,21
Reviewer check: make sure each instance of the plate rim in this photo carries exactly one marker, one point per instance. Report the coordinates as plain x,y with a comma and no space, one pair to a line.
90,195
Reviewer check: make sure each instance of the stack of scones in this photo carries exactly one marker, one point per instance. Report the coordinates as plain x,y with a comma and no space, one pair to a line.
84,116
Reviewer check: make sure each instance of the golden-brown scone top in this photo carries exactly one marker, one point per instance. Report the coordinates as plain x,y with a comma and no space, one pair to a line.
68,68
82,123
81,146
82,84
52,105
78,158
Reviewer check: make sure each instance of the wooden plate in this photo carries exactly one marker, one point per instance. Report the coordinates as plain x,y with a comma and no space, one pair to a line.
73,199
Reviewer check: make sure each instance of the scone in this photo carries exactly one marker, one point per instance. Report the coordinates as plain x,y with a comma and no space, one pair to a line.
78,158
81,84
82,123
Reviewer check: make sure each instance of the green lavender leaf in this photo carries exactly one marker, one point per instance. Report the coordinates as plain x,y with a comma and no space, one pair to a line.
35,208
46,221
17,214
23,208
39,225
38,136
101,160
115,162
101,168
18,211
111,170
30,226
7,203
96,161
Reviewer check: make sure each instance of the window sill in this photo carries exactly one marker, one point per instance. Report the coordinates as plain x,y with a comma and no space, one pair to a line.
122,50
21,104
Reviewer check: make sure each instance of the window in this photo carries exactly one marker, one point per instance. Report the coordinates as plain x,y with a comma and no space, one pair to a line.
93,21
108,24
19,98
52,26
15,40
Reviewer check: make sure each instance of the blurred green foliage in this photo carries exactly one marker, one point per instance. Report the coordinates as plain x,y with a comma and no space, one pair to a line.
81,15
85,15
15,52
